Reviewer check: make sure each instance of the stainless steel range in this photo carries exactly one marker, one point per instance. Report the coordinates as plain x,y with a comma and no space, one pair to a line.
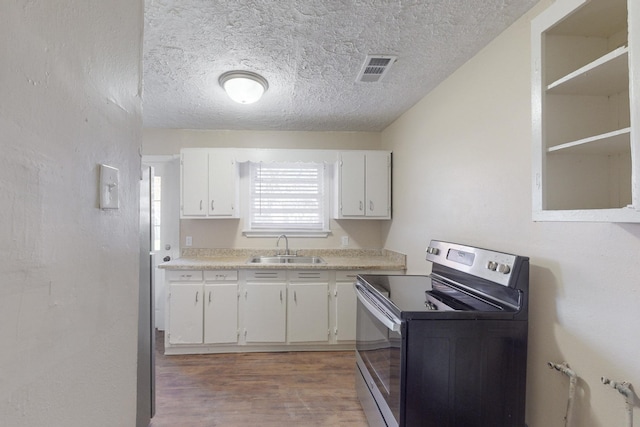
448,349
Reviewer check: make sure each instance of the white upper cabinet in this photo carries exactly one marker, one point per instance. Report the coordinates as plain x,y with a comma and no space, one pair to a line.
363,185
223,185
585,99
194,168
209,183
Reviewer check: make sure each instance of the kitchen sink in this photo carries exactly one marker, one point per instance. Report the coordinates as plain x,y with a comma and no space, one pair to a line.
285,259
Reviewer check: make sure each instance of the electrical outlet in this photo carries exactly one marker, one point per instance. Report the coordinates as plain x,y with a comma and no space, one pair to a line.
188,241
345,240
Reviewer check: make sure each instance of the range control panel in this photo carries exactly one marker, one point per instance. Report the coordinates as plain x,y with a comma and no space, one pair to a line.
491,265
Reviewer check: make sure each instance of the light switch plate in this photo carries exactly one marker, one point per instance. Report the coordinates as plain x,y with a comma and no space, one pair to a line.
109,183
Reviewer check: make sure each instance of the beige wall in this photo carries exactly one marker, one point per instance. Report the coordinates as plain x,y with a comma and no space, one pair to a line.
170,141
69,290
462,157
227,233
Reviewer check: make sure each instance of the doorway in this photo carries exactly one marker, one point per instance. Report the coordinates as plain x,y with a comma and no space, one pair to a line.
165,224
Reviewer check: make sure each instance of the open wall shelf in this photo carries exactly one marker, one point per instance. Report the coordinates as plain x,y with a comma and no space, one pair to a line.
585,115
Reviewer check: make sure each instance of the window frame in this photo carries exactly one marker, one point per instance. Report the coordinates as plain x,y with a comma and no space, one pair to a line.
245,172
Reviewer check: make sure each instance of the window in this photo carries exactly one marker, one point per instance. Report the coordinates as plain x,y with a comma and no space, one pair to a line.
287,197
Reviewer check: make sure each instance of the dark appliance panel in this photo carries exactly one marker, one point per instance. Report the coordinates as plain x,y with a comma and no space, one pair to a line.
463,374
448,349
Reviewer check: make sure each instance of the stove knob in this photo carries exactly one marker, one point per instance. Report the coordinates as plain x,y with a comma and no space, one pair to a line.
492,265
433,251
504,268
431,306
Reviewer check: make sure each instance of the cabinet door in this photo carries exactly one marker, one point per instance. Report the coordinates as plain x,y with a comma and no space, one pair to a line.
265,312
194,191
308,312
222,184
185,313
220,313
377,173
352,184
346,306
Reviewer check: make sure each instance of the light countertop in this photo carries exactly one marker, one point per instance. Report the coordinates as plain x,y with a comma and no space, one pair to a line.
336,259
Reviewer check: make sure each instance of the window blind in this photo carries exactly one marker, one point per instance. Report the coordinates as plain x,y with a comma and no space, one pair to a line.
287,196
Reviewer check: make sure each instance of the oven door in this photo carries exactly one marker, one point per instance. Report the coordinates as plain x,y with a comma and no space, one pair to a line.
378,357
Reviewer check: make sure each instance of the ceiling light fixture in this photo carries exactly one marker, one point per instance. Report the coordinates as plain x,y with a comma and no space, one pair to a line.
243,87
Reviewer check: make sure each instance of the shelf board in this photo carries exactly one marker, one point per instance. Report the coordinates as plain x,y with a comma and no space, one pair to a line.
598,18
607,75
616,142
623,215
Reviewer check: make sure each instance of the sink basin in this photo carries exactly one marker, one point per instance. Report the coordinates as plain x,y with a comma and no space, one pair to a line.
285,259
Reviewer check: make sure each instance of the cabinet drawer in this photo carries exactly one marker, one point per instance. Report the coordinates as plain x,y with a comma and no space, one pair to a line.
316,275
270,275
348,276
220,275
184,275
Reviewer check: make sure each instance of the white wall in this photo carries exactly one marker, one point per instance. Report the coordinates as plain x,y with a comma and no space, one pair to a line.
170,141
462,172
70,100
227,233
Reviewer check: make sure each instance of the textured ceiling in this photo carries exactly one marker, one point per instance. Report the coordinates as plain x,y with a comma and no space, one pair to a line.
310,51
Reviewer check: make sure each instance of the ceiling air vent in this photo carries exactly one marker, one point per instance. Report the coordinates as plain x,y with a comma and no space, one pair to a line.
375,68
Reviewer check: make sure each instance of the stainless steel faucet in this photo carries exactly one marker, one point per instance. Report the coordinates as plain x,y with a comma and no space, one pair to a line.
286,241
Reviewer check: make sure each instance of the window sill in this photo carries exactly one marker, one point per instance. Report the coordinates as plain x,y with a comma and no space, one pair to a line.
288,233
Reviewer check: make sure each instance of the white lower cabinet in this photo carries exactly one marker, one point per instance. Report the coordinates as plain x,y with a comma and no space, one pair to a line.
345,305
202,309
308,307
265,315
215,311
220,313
185,305
220,307
263,306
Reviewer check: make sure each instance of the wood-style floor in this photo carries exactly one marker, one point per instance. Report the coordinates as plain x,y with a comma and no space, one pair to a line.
256,389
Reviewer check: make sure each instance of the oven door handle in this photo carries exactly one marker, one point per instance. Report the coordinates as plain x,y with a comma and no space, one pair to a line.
391,322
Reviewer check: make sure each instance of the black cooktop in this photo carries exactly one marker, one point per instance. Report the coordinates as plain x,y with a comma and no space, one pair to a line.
407,293
408,296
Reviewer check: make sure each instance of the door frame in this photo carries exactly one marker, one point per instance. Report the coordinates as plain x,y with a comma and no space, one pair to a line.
168,168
